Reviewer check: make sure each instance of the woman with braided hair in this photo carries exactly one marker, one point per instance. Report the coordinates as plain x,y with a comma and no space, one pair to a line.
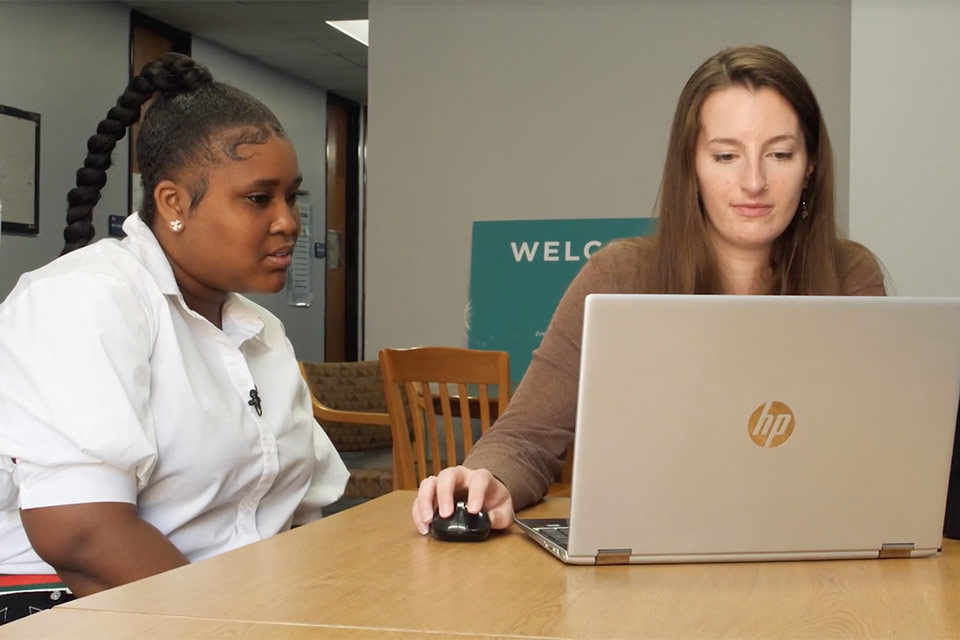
149,415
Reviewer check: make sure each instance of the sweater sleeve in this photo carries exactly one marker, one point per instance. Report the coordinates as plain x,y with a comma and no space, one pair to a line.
526,446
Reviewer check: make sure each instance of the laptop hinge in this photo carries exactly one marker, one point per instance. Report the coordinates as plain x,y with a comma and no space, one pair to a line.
896,550
614,556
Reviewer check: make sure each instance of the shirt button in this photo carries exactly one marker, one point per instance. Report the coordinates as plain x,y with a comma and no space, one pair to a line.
250,505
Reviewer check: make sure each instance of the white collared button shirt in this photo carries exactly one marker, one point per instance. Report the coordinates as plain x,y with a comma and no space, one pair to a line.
113,390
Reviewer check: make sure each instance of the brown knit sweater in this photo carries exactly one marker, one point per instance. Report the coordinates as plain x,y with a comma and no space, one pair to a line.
526,447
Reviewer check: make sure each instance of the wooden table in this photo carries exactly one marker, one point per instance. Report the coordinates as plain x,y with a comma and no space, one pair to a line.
367,568
109,625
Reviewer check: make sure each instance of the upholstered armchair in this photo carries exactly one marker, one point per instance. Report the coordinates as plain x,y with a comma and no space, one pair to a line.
349,403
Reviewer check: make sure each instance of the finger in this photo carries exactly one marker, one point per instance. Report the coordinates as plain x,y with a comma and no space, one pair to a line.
426,500
501,517
500,510
447,483
418,522
480,484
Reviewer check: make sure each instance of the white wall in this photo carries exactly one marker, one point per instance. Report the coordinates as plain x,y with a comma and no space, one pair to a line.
904,141
68,62
519,110
302,110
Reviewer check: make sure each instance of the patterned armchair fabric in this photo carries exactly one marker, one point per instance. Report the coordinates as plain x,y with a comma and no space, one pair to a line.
350,386
366,448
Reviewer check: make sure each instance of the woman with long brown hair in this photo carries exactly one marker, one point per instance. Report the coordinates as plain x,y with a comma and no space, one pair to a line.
746,206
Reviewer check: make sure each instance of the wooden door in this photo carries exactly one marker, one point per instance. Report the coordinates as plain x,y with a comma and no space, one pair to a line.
149,39
342,232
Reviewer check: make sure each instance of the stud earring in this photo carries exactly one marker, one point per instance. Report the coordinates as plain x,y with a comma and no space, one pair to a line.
176,225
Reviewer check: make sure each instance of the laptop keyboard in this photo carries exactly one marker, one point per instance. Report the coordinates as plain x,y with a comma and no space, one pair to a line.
558,534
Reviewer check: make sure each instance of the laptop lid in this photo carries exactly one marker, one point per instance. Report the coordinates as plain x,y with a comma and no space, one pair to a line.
763,427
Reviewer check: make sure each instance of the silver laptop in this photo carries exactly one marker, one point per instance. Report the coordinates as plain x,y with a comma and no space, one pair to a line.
740,428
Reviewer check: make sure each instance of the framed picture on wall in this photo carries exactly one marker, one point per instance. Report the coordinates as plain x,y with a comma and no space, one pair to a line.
19,171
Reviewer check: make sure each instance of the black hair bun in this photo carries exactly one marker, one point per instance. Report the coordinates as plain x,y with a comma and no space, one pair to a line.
176,73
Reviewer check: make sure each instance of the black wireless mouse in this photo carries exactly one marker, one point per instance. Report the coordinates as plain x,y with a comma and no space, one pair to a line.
461,526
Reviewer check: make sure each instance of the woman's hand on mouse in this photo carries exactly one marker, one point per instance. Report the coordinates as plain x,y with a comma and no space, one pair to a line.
484,493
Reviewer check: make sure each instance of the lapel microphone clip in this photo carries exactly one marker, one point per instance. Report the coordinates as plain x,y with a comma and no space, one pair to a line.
255,401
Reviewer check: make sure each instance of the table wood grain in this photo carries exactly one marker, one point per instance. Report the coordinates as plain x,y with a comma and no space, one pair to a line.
367,567
75,624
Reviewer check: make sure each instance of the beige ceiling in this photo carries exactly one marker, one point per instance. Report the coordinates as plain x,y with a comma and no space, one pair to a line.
290,36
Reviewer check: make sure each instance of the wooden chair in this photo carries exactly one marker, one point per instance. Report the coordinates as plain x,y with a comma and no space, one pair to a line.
422,378
348,403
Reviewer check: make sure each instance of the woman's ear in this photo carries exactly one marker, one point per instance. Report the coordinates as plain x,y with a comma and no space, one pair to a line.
170,200
810,168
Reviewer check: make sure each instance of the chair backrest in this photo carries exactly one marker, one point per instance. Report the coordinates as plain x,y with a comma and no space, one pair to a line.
348,403
440,384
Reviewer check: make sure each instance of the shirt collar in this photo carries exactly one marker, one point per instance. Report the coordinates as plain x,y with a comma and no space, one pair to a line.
141,241
240,322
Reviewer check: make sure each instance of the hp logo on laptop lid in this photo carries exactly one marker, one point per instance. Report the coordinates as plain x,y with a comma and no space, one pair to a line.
771,424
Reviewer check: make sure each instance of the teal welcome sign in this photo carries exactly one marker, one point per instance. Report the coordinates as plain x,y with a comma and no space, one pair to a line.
519,270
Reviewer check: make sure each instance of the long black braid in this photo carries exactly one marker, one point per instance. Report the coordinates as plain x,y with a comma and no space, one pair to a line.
176,133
